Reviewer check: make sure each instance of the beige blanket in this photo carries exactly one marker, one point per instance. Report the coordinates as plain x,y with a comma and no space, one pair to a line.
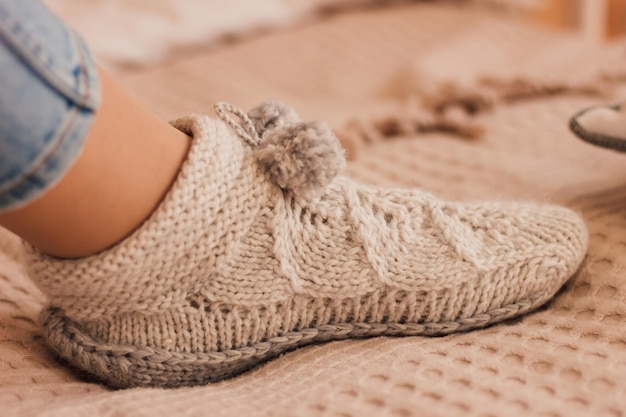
568,359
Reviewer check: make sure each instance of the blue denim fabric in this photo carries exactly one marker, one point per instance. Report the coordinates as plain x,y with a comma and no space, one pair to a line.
49,92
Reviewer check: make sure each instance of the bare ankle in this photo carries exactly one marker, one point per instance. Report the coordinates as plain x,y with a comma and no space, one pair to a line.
127,165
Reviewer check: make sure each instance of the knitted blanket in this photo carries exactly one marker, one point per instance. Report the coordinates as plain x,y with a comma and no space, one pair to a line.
394,65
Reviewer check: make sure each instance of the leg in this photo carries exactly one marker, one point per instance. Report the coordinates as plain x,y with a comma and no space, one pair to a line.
128,161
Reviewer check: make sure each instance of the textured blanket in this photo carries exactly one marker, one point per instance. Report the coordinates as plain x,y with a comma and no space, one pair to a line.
518,85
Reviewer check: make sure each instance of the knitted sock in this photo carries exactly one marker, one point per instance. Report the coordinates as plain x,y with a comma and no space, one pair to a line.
602,126
260,248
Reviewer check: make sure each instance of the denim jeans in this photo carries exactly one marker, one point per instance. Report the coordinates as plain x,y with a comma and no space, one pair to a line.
49,92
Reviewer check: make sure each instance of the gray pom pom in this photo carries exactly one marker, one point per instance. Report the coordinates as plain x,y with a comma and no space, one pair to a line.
301,158
272,114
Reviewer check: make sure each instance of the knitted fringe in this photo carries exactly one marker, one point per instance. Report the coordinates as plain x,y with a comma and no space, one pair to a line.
452,109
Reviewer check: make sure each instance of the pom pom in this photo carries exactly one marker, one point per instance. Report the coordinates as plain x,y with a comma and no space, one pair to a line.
301,158
272,114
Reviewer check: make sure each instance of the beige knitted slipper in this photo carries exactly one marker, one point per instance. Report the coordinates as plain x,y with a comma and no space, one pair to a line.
259,248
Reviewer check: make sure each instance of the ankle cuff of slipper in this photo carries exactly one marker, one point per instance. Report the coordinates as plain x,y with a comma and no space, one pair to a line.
149,270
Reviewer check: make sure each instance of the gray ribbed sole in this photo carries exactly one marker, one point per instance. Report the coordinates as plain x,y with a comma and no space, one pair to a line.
124,366
596,139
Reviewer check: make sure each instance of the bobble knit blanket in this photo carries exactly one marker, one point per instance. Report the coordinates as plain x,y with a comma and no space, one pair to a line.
568,359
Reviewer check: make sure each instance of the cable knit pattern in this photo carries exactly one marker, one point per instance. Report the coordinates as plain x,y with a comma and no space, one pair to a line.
234,267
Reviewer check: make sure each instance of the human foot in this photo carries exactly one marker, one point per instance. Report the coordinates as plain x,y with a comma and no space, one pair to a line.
602,125
259,249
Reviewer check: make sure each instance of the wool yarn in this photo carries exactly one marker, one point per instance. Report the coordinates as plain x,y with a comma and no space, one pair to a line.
603,125
235,267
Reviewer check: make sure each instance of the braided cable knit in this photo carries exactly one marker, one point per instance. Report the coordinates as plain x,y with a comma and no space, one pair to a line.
261,247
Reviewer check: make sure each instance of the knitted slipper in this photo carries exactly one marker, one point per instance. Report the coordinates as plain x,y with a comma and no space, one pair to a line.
259,248
602,125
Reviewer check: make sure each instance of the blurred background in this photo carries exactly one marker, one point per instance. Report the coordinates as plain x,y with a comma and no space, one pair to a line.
596,19
144,31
